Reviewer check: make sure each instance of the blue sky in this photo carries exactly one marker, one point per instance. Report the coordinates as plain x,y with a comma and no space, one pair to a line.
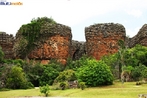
77,14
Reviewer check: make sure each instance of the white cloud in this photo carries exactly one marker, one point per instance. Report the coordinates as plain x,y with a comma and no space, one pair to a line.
135,13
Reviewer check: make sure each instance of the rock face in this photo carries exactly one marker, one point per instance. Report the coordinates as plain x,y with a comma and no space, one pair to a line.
78,49
54,41
140,38
7,42
54,45
102,39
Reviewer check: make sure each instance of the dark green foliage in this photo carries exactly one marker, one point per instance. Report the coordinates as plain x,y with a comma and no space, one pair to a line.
126,57
74,65
139,72
16,79
82,85
50,72
45,90
95,73
34,72
112,62
48,75
17,62
4,70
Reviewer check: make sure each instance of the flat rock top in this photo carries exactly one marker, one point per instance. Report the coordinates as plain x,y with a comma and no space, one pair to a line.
105,28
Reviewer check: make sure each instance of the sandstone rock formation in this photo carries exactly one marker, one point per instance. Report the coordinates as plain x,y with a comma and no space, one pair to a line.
140,38
102,39
52,41
7,42
78,49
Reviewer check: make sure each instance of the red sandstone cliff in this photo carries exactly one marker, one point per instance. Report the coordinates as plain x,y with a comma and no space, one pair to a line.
52,41
102,39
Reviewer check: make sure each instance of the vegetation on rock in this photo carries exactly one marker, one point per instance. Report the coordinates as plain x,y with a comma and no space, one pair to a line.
32,33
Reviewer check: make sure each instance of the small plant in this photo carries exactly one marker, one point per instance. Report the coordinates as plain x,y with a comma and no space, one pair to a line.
82,85
63,85
45,90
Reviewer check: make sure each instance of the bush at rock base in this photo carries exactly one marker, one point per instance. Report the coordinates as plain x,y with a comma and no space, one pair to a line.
95,73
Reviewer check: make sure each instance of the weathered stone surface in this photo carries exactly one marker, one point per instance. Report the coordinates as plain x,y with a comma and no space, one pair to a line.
7,42
102,39
78,49
140,38
53,44
56,43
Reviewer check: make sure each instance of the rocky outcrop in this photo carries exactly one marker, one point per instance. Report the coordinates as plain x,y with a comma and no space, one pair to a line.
7,42
78,49
140,38
53,41
102,39
53,47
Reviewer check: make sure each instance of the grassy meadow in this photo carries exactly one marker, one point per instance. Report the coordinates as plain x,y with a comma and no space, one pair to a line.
118,90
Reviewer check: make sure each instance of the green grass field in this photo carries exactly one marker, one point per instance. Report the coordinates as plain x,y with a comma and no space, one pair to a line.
118,90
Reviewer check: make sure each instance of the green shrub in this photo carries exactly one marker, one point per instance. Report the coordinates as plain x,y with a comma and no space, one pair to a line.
95,73
67,75
63,85
48,76
82,85
139,72
34,73
50,73
45,90
74,65
16,79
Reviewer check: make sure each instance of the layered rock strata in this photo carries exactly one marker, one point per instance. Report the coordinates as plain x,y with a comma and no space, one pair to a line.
52,44
102,39
7,42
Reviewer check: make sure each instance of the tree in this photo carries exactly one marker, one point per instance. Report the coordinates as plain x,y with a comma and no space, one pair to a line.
48,75
16,79
74,65
139,72
34,72
95,73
